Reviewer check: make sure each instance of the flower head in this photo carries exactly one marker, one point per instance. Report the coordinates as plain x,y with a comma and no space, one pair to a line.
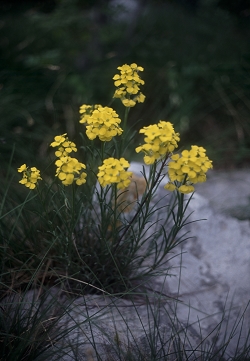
160,139
114,171
128,84
69,170
86,112
64,145
30,176
102,122
189,168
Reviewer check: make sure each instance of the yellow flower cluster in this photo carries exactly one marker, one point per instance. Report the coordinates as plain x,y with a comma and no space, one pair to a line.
113,171
102,122
86,112
30,176
160,139
128,83
68,169
189,168
65,147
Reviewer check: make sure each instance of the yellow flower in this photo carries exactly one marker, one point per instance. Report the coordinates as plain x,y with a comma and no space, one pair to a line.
102,122
189,168
112,171
170,186
70,170
186,189
128,83
64,146
160,139
175,174
86,112
23,168
140,98
30,176
129,103
58,140
81,179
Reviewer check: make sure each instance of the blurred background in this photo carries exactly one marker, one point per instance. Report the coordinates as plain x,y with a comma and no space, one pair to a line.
58,54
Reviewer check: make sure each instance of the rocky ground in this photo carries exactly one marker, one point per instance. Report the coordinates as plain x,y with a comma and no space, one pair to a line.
210,279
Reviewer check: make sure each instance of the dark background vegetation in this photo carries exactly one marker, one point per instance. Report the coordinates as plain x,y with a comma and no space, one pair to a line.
57,55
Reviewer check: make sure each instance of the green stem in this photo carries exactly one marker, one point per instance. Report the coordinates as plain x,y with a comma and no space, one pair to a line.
114,196
146,198
127,109
124,134
102,151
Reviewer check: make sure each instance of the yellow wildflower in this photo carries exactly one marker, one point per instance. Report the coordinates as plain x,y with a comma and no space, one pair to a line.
64,146
187,169
128,83
102,122
170,186
160,139
30,176
86,112
185,188
70,170
58,140
113,171
23,168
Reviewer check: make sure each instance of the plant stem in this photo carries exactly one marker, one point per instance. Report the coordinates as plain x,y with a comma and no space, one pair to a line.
124,134
146,198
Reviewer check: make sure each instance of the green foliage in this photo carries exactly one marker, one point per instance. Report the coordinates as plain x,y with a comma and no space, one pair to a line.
29,327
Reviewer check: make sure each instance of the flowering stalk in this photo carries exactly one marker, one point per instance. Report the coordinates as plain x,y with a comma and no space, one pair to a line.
124,137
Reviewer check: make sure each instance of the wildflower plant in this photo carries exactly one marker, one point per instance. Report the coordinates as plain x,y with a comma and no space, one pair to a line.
107,226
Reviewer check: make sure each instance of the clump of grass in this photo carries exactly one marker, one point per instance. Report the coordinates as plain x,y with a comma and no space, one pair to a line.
29,326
